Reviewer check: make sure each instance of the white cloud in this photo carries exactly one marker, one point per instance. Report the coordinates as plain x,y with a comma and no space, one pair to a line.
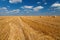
15,1
3,9
32,7
38,8
27,7
15,11
56,5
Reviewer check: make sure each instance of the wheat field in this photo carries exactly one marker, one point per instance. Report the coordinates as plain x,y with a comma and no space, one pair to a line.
29,27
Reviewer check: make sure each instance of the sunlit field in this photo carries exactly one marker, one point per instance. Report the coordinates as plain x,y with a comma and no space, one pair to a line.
29,27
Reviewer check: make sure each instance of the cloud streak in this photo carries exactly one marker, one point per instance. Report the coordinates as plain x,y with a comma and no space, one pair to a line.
56,5
27,7
38,8
15,1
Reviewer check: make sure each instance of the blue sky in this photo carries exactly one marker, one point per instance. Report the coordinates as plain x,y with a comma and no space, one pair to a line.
29,7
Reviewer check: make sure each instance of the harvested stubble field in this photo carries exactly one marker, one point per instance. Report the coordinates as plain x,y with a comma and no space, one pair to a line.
29,27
